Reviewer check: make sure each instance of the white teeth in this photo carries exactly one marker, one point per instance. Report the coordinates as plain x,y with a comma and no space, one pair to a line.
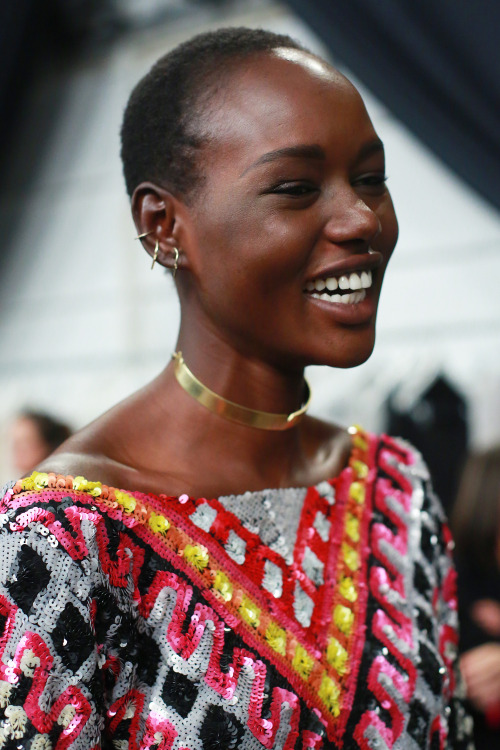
344,282
355,281
332,283
366,279
344,299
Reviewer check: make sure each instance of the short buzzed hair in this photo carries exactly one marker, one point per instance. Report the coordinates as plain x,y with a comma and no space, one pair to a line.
162,132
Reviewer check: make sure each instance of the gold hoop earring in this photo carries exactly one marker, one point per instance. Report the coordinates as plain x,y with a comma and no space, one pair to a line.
144,234
176,261
155,254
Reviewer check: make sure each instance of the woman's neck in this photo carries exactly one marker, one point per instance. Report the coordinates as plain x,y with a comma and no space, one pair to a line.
161,440
245,378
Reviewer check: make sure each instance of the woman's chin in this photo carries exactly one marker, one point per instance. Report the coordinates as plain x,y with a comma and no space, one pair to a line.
351,351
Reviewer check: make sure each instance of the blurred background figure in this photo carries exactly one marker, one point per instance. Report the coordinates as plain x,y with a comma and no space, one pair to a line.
433,415
34,436
476,525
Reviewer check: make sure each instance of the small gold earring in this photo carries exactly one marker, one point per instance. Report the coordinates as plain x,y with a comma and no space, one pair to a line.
155,255
144,234
176,261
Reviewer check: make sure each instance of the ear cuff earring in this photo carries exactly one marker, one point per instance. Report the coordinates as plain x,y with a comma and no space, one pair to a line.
176,261
155,254
156,250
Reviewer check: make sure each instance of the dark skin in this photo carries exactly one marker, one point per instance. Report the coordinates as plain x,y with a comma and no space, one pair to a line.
264,222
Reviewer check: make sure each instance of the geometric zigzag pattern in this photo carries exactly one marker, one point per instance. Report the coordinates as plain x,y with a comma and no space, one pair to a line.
134,621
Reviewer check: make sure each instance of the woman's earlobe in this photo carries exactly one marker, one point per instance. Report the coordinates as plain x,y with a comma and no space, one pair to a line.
175,260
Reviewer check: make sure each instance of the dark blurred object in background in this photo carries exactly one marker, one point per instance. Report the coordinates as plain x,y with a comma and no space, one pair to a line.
435,65
38,39
475,523
435,422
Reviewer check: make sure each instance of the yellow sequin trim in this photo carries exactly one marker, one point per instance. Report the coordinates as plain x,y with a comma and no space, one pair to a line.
83,485
351,557
357,492
158,523
360,468
276,638
348,589
223,585
344,618
352,527
337,656
329,692
127,502
196,555
249,612
302,662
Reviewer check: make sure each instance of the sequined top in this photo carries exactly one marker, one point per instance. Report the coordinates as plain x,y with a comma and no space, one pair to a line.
303,618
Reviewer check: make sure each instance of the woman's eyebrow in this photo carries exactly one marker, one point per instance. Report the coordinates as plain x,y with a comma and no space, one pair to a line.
370,148
303,151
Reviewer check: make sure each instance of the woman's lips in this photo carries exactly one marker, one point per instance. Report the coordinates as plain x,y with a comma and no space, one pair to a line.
354,308
348,286
353,298
347,296
345,287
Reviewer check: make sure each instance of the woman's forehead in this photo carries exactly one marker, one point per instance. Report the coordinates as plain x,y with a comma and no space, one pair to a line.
307,62
278,99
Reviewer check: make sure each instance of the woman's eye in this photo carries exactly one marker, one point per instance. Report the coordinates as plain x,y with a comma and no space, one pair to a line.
371,180
295,189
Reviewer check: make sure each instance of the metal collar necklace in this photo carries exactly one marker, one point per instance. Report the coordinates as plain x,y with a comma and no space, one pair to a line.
263,420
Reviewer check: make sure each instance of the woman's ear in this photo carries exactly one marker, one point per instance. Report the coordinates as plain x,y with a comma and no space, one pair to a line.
159,218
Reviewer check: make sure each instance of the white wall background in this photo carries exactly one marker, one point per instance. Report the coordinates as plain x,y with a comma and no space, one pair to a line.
83,321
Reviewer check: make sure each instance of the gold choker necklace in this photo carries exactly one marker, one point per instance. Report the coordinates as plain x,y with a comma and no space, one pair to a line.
263,420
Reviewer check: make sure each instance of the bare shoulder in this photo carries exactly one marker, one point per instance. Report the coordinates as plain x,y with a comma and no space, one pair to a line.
93,452
328,444
95,468
112,447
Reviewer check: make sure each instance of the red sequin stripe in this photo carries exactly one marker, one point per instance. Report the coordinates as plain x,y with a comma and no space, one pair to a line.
345,634
74,544
390,624
128,706
256,554
308,537
183,532
8,611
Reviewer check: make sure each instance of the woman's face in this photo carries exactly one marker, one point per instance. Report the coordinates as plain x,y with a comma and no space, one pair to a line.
293,226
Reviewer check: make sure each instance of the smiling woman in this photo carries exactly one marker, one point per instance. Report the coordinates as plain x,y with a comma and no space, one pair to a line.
206,566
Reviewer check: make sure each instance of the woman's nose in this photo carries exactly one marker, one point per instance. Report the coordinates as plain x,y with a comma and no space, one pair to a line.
351,219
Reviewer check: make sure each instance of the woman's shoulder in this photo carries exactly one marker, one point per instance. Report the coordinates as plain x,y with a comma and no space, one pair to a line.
94,465
52,500
65,505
